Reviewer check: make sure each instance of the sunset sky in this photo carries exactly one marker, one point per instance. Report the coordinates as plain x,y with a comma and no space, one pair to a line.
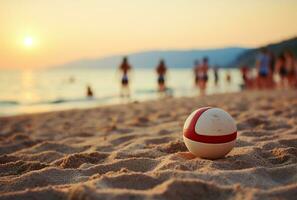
40,33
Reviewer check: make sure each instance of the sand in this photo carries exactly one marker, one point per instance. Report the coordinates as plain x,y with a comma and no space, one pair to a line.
136,151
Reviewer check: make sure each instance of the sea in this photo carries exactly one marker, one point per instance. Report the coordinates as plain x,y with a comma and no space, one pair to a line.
40,90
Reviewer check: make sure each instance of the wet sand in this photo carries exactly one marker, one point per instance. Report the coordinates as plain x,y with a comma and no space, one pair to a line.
136,151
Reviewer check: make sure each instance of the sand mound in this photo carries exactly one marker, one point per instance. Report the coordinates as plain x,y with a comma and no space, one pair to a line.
20,167
75,160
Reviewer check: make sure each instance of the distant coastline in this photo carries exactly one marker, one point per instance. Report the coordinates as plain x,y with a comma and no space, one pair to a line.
221,57
226,57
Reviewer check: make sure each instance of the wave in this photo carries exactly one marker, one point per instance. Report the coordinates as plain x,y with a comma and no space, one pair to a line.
57,101
151,91
79,100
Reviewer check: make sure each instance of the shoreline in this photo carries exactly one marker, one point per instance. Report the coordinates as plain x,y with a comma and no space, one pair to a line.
133,101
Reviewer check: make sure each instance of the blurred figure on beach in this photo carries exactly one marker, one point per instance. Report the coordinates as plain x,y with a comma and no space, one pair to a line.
244,74
248,81
287,69
280,67
125,69
263,68
271,83
201,76
228,77
89,92
195,70
216,75
161,70
290,67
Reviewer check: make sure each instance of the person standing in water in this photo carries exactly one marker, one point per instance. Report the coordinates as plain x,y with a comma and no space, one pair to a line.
216,75
245,74
280,67
201,76
125,69
263,67
196,75
271,82
89,92
290,67
228,77
161,70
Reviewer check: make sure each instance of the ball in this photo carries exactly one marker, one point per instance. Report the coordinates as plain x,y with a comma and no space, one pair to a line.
210,133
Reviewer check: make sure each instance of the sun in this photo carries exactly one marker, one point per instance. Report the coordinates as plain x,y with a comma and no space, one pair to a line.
28,41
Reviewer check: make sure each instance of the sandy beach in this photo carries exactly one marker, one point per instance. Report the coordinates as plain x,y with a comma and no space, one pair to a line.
136,151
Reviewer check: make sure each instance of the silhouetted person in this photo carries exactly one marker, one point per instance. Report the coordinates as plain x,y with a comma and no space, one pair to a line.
228,77
125,68
291,68
161,70
245,76
271,82
196,74
216,75
201,76
263,67
89,93
281,68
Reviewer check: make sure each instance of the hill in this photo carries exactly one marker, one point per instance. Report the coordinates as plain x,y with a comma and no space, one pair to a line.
173,58
249,57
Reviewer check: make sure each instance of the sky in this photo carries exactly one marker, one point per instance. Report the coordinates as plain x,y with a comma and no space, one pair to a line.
42,33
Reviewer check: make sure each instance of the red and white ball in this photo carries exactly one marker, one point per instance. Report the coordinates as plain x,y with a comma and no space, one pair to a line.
210,133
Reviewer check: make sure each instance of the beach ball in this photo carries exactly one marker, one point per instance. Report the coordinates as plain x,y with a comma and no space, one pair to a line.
209,133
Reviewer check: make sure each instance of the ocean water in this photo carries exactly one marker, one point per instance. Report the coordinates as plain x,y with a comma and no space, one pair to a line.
30,91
